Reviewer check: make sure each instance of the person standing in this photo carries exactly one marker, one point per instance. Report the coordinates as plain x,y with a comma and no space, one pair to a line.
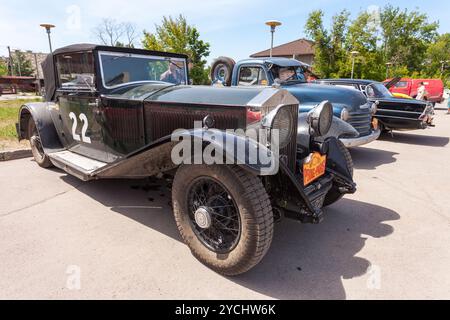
422,93
448,104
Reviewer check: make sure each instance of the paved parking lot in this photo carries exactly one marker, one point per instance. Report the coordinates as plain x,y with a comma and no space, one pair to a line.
388,241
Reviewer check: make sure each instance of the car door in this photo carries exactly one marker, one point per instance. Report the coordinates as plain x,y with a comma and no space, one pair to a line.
79,105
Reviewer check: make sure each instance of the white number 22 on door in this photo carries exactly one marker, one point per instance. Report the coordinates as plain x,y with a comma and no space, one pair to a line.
83,119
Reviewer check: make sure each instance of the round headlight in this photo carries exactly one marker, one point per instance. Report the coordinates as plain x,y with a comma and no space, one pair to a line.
345,115
284,122
320,118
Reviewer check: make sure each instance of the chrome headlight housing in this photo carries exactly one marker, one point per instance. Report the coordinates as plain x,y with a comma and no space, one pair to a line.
281,119
321,118
345,115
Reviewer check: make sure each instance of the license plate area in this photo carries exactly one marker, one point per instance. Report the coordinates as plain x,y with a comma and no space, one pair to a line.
314,167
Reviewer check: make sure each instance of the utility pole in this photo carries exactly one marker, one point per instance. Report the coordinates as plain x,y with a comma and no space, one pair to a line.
11,64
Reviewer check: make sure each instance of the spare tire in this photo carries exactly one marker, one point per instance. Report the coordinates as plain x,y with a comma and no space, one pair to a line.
222,70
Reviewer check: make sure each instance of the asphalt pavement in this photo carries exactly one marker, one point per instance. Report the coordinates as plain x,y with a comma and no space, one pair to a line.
61,238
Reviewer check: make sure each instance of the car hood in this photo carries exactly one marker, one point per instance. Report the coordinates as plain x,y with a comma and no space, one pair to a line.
400,101
311,93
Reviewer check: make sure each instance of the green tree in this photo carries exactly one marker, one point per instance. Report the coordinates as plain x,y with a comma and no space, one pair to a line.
176,35
3,68
406,37
397,36
362,37
438,59
22,65
329,45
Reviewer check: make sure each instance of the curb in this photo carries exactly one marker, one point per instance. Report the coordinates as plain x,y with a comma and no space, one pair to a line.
15,154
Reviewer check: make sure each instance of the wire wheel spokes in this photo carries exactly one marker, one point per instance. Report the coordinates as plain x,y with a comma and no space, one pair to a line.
208,196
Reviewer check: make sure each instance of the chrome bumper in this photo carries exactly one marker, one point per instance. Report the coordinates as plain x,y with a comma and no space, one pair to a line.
354,142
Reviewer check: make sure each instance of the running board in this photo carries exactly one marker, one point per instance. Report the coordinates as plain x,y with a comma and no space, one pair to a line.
75,164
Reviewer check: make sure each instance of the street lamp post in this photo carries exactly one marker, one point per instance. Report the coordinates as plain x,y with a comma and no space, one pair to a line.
354,54
443,63
388,64
48,27
272,24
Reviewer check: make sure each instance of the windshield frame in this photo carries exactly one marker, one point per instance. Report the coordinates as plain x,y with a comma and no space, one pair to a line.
378,85
296,68
142,56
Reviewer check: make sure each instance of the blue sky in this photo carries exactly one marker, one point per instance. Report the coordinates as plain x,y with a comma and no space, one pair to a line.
233,27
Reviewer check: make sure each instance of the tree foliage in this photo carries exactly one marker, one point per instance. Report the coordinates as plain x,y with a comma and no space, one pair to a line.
176,35
22,65
3,68
110,32
401,37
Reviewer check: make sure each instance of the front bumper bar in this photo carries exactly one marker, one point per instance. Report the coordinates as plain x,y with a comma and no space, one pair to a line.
354,142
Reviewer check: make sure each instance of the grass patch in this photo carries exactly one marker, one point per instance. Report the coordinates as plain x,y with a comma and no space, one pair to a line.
9,110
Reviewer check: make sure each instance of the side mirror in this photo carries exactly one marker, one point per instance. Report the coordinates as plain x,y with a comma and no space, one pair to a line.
320,119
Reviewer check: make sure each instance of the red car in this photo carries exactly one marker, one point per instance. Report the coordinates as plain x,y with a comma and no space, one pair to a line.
434,87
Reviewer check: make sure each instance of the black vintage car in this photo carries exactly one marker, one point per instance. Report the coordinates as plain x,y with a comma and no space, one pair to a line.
392,113
118,113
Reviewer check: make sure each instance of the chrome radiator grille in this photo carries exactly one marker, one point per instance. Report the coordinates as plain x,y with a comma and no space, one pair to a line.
361,121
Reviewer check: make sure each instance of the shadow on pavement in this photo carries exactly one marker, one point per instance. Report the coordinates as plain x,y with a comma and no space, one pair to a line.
304,262
416,139
369,159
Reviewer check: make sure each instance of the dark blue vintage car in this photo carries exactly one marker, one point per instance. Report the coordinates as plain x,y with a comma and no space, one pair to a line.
348,105
392,113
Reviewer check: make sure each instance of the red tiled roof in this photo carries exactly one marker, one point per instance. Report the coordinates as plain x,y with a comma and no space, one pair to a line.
297,47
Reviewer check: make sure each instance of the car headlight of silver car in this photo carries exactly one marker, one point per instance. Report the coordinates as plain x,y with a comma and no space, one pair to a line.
281,119
320,119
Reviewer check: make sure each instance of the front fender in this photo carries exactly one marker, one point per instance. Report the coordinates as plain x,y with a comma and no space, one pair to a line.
40,113
192,147
216,146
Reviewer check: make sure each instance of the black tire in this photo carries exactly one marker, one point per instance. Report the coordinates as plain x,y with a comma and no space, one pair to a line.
253,208
334,195
222,70
36,147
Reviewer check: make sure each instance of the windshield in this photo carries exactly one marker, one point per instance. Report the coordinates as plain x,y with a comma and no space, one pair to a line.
377,90
286,74
121,68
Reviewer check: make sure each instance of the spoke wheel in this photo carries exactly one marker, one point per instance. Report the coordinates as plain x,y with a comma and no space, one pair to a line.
224,215
214,215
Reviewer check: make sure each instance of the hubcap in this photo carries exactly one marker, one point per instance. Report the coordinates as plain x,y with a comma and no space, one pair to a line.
203,218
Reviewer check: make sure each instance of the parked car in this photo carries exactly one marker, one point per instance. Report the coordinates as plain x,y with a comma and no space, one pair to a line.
108,115
348,105
409,87
392,113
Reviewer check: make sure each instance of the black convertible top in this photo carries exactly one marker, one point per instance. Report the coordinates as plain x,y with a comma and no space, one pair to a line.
48,67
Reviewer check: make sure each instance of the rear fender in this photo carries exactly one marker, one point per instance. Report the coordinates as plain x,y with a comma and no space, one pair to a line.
40,113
